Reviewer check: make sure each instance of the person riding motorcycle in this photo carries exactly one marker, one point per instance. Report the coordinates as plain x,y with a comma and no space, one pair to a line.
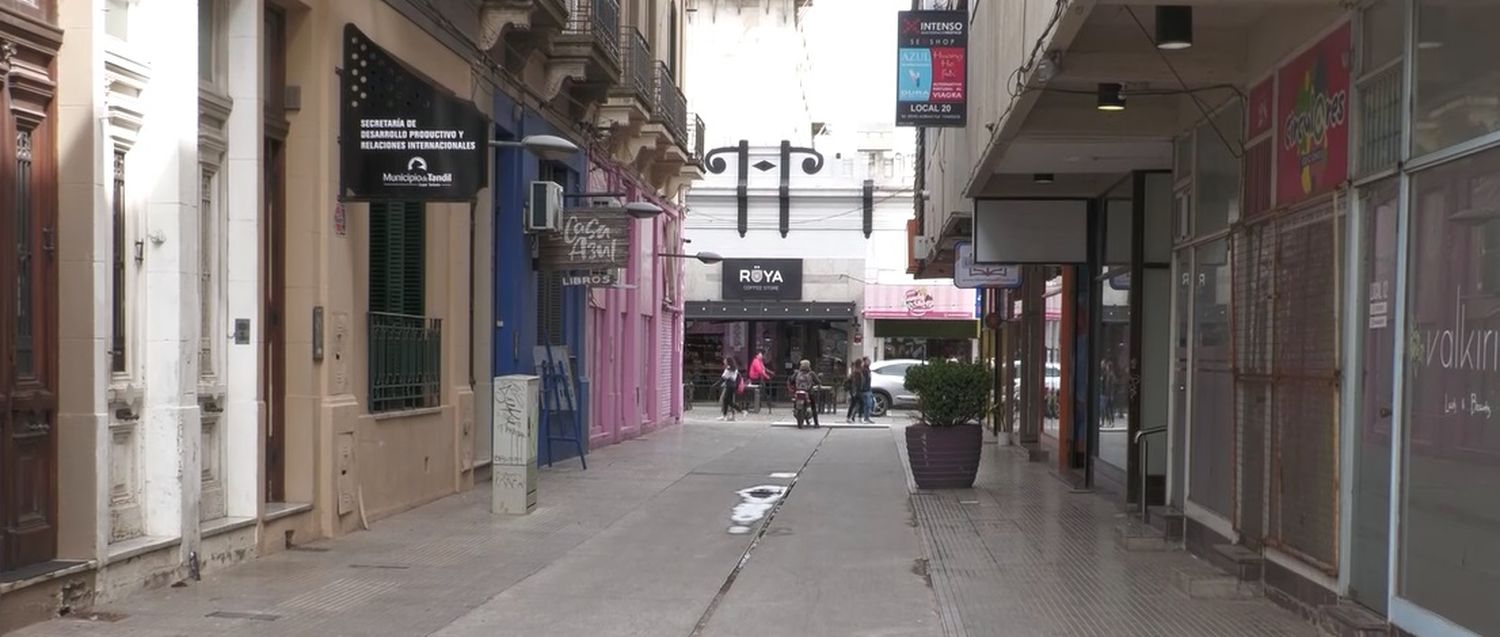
806,381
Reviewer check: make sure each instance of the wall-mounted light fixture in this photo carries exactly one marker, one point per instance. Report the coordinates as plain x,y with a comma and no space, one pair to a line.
1174,27
545,146
1043,178
707,258
642,210
1111,97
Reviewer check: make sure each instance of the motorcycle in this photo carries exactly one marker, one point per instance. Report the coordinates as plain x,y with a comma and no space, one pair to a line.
802,409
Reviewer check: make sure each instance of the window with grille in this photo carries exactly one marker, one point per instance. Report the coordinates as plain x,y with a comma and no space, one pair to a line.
208,270
405,345
117,350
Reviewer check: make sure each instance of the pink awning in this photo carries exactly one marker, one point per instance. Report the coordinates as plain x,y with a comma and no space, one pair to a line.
918,301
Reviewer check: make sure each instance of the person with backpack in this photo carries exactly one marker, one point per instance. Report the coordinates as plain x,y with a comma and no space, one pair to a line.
806,380
732,384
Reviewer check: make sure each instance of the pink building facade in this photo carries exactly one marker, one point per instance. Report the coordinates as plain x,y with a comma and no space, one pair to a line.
635,330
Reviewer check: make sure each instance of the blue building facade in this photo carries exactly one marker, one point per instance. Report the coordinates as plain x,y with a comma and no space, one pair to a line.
520,290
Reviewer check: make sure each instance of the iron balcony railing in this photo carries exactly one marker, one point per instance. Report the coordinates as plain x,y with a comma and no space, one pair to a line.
696,137
671,105
599,20
638,66
405,362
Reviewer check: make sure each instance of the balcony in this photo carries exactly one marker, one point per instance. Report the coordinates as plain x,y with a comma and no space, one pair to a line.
671,106
638,81
696,140
586,55
520,20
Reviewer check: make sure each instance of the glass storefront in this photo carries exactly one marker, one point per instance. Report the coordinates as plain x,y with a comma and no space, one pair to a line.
1457,94
1211,479
1112,369
784,343
923,349
1450,503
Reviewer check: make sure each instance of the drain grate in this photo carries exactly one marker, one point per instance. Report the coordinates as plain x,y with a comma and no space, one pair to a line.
308,549
389,567
231,614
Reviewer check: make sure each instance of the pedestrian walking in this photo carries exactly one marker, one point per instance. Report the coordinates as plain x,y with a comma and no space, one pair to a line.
853,381
731,384
867,389
761,377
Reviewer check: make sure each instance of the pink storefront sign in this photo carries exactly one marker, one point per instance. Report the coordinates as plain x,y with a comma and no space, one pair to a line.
918,301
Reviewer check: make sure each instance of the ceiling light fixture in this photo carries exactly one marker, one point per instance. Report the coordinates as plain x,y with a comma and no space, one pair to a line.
1174,27
1111,97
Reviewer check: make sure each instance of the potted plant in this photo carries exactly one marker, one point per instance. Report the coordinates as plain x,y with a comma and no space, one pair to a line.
943,447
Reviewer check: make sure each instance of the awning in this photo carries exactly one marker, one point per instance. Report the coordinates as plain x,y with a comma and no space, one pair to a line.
923,301
768,311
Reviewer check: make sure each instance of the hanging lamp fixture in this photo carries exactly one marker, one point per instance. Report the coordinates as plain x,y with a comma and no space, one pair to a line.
1174,27
1111,97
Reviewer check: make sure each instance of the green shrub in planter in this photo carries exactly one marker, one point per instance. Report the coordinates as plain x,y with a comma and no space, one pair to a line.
950,393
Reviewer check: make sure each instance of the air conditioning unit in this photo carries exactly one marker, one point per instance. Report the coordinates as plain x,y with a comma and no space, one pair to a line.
922,247
546,206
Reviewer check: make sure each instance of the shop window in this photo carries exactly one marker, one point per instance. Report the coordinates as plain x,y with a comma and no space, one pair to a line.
1217,170
405,346
1378,88
1452,390
1457,97
1211,481
1112,365
1182,158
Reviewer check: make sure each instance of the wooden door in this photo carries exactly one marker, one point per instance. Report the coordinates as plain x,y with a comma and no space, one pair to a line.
28,339
274,286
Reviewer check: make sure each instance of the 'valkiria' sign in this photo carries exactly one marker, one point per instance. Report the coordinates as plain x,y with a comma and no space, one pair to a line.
400,135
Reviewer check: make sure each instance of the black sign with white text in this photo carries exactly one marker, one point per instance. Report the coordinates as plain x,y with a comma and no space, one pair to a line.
400,135
762,279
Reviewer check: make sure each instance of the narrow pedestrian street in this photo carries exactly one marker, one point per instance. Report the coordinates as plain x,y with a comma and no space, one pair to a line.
641,543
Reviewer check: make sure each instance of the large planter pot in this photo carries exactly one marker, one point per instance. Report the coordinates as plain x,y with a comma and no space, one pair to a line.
944,457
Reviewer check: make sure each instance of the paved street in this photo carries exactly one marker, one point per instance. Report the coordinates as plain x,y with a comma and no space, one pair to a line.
669,535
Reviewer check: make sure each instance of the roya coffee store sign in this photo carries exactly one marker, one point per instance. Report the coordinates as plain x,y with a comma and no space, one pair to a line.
932,68
400,135
588,240
762,279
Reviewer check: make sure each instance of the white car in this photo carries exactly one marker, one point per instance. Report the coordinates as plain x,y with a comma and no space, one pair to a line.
888,382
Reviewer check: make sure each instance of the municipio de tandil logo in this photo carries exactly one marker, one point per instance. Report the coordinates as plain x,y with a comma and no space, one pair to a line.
417,175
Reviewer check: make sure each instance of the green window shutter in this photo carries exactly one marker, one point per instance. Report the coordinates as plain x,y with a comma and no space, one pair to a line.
549,308
398,258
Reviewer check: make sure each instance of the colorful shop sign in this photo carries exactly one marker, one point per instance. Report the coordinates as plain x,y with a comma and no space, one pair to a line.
1313,112
932,69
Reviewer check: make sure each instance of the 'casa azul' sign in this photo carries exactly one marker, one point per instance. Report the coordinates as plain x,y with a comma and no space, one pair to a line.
762,279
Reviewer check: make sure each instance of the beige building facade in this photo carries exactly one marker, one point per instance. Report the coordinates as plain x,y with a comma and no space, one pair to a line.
210,355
